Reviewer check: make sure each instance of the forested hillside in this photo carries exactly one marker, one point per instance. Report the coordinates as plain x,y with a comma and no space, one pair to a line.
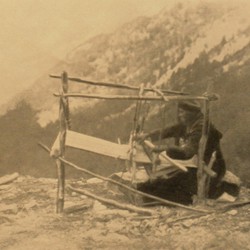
189,48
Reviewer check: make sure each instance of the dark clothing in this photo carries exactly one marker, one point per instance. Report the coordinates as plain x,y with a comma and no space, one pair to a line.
187,140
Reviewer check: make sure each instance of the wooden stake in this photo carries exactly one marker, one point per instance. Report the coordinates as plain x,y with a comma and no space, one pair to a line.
64,124
208,177
60,186
201,174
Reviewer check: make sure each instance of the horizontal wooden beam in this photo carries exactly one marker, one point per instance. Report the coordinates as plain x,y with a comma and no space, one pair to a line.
118,85
133,97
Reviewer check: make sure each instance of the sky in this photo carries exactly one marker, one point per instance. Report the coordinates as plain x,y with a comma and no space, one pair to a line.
35,34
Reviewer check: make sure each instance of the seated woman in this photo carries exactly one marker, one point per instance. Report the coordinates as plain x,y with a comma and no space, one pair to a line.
188,132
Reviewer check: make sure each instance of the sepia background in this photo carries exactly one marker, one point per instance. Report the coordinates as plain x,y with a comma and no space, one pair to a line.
195,46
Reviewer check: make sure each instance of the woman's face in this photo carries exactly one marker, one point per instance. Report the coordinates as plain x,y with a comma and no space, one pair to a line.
185,116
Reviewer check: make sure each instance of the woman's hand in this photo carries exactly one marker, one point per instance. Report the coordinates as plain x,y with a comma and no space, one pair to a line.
140,137
159,149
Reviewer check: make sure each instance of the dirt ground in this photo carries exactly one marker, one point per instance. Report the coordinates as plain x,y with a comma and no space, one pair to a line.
28,221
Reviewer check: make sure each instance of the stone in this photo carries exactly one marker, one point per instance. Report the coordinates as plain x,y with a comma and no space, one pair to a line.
30,205
10,208
97,206
225,197
232,212
94,181
231,178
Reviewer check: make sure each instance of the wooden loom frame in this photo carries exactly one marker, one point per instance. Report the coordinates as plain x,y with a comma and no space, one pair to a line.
64,120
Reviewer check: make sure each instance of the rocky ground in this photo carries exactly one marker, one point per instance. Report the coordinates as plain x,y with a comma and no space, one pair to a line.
28,221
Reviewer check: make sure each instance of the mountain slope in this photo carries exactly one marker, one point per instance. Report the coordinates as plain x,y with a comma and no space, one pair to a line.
191,48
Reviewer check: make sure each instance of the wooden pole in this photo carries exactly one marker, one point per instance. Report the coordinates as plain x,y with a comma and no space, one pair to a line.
8,178
112,202
201,174
117,85
208,177
136,97
64,125
136,129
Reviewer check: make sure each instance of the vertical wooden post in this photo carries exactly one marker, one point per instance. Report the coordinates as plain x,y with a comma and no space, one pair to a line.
64,125
201,175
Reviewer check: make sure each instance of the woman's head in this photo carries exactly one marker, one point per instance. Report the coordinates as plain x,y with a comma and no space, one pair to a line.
187,111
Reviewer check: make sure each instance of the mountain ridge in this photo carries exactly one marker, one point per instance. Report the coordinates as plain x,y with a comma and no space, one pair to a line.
191,48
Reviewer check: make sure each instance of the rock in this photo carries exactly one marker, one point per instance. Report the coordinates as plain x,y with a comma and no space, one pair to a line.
97,206
232,212
94,181
101,213
5,187
74,194
161,231
30,205
52,193
115,226
231,178
77,207
210,202
115,237
225,197
187,223
81,181
94,234
48,180
4,219
11,208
